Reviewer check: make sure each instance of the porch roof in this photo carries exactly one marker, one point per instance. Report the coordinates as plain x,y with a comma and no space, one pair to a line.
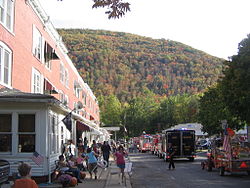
14,95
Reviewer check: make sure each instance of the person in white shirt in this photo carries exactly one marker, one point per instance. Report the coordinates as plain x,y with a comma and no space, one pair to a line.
71,149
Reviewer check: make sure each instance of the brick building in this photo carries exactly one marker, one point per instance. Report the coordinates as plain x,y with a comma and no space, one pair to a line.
39,86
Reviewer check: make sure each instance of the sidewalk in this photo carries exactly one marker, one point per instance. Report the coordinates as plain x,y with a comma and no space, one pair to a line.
106,178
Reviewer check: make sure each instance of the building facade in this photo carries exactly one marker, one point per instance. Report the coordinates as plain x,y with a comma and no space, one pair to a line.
39,86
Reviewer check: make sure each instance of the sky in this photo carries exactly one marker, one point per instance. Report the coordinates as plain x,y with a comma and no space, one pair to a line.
213,26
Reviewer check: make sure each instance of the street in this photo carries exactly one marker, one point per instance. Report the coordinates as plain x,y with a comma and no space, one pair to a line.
151,172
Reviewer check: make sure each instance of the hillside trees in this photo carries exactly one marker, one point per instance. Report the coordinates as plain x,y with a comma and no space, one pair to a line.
123,64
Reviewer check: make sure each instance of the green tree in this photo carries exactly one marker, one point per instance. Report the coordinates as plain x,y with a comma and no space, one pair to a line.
212,110
111,110
236,82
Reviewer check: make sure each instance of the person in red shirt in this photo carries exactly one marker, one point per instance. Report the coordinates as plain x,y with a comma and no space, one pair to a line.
120,160
25,180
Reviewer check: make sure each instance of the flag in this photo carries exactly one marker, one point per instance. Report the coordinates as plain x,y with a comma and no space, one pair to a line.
230,132
227,145
37,158
67,121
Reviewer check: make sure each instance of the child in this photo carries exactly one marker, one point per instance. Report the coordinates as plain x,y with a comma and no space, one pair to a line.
120,160
25,181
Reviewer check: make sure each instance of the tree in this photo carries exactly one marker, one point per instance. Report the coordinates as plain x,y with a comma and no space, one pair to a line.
111,110
236,82
212,110
116,8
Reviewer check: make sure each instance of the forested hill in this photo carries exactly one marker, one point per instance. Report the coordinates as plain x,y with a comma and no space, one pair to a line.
125,64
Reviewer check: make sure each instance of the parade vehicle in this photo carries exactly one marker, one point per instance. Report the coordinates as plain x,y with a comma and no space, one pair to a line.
156,139
231,156
159,147
145,142
183,143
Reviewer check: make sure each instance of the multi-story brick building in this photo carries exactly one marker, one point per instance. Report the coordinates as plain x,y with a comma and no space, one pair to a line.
39,85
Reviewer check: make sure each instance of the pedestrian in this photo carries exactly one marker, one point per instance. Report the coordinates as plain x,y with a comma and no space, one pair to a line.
71,149
92,162
119,157
94,147
85,143
81,148
25,180
114,149
171,153
105,148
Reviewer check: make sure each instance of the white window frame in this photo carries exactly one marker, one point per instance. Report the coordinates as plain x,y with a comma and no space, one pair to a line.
54,134
5,67
37,48
62,73
66,76
26,133
37,82
7,11
66,100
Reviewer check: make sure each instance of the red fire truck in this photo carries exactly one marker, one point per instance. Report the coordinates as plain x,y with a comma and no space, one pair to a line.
156,140
145,142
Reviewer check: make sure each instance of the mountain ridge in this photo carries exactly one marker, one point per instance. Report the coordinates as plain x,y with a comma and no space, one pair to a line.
126,64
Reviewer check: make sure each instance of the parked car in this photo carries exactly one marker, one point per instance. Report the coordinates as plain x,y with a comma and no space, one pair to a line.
203,144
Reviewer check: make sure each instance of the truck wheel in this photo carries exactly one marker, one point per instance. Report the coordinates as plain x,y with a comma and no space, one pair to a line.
222,171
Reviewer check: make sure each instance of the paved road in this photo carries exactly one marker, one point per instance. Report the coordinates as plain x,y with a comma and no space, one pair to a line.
151,172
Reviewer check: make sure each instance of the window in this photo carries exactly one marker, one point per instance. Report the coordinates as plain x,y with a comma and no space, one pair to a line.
49,54
62,72
54,136
77,89
84,98
26,132
5,133
66,77
37,81
5,64
37,43
7,13
66,100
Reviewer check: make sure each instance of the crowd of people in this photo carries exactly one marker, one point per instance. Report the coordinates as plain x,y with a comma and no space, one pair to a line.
84,157
77,160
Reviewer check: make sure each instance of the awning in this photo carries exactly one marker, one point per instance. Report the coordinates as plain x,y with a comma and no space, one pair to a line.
48,87
80,126
96,131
